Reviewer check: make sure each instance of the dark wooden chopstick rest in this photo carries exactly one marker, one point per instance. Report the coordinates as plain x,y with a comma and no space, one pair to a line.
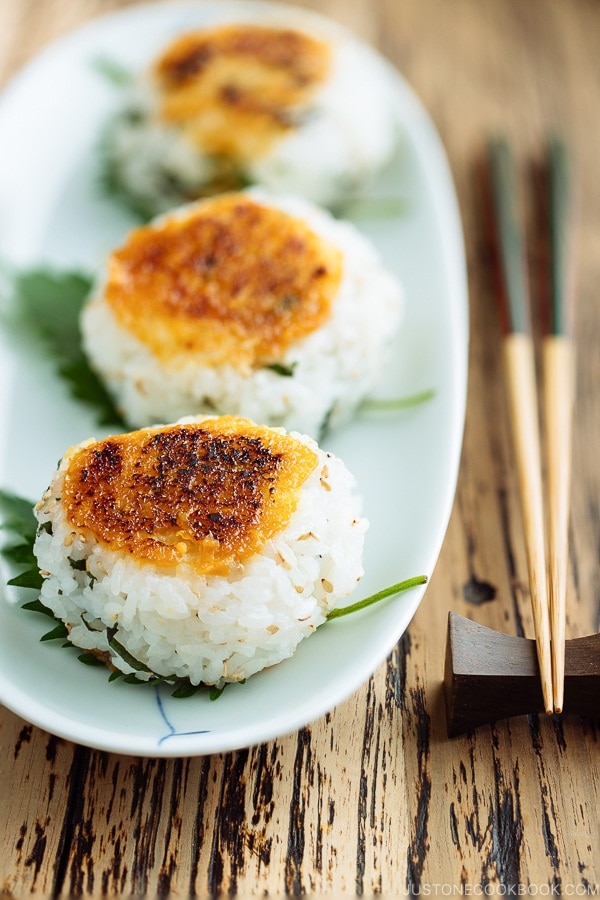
491,676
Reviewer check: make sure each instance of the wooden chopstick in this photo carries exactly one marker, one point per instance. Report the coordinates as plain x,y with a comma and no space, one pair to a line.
558,369
520,377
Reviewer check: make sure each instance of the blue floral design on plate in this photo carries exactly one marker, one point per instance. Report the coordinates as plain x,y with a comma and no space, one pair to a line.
172,731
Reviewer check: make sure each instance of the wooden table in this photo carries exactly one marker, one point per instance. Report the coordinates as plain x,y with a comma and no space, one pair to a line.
373,798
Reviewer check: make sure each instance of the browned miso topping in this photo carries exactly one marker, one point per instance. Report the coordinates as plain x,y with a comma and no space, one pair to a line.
207,494
236,89
233,282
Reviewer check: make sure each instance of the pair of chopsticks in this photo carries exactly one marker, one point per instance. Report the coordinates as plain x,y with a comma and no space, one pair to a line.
547,586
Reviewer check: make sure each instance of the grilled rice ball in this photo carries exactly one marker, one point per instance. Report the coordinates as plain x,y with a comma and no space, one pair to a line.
243,304
202,551
292,109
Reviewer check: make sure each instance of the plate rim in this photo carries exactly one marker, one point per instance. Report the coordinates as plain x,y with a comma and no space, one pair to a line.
422,134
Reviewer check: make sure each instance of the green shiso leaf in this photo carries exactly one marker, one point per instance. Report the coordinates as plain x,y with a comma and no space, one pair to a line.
110,186
113,71
375,598
31,578
183,688
372,207
133,679
38,607
89,659
47,304
18,519
186,689
21,554
125,655
16,514
398,403
55,300
59,632
282,369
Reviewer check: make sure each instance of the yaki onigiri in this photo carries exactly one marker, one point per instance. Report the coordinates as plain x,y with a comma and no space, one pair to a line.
242,304
204,550
220,108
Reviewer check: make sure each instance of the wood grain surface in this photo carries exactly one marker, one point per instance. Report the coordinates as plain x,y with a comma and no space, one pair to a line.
373,798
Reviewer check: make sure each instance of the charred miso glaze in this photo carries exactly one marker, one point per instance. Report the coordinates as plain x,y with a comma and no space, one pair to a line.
236,89
208,494
231,282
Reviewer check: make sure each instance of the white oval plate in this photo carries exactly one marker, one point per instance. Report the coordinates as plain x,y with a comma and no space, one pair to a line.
406,462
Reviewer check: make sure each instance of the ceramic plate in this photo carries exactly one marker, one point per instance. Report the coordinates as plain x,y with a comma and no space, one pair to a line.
405,462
